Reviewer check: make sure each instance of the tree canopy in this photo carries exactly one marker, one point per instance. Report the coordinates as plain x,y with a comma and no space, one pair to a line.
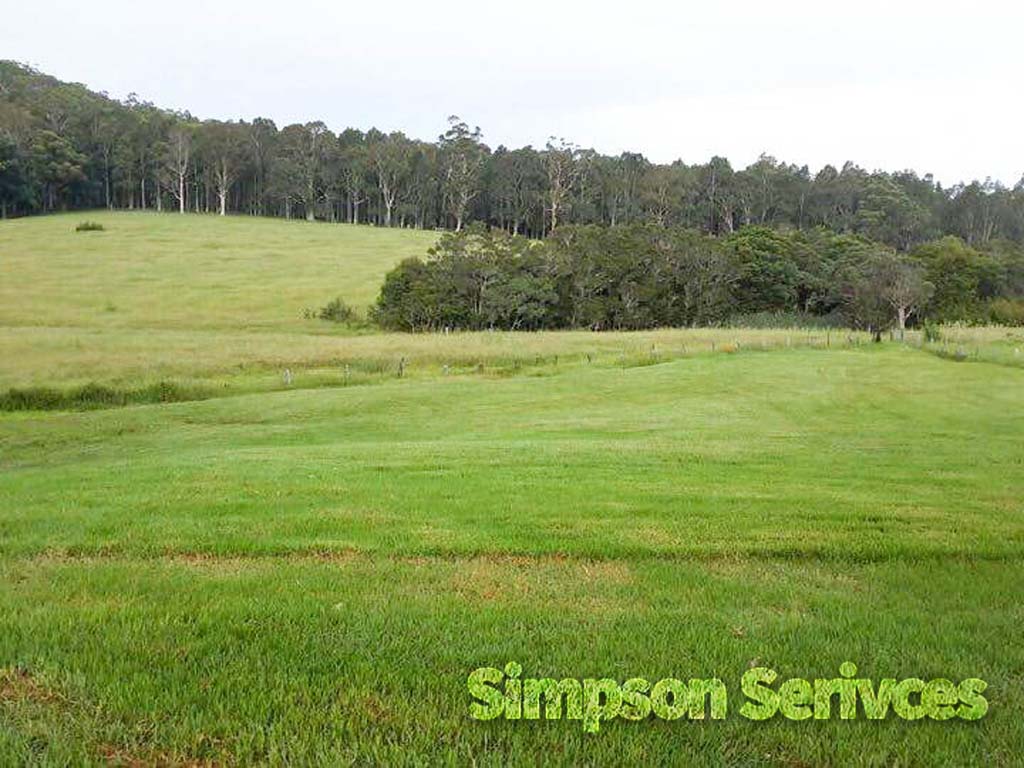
63,146
628,243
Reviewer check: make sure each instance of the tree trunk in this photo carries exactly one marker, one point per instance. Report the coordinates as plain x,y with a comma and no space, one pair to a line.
106,182
181,193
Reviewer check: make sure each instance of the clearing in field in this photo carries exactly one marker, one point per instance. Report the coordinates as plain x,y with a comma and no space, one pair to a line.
304,574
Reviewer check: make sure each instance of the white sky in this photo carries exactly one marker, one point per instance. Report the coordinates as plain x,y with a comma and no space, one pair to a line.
888,84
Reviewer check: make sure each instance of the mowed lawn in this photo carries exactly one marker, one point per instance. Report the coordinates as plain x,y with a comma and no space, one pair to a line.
309,576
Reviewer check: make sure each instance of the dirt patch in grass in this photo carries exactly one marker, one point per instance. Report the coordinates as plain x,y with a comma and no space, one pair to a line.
19,686
115,756
484,579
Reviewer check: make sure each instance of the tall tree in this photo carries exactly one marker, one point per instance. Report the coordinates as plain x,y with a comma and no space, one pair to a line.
178,161
354,171
303,152
518,181
462,156
390,157
224,149
562,164
262,143
56,163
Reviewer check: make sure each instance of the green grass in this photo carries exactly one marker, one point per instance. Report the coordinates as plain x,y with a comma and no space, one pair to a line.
165,271
215,305
307,574
310,575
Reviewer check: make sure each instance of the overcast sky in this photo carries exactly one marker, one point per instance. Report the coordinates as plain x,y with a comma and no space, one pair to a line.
894,84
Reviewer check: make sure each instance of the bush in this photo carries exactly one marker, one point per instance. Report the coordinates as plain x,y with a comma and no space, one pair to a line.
786,320
91,396
931,332
1006,312
31,399
336,311
89,226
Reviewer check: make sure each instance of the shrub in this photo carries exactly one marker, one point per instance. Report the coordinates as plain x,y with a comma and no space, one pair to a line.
92,396
31,399
792,319
1006,311
336,311
89,226
932,332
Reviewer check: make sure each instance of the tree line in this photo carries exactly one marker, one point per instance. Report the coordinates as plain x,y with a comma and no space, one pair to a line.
63,146
644,275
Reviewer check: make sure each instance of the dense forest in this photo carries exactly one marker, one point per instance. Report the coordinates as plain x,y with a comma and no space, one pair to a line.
63,146
640,275
627,243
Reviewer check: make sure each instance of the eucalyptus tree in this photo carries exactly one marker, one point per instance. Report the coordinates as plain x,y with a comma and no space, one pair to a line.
620,180
55,163
660,194
390,156
562,163
17,185
837,196
974,211
518,181
262,140
905,289
223,146
354,170
177,161
303,154
888,214
882,290
423,199
144,147
15,177
718,196
106,132
462,153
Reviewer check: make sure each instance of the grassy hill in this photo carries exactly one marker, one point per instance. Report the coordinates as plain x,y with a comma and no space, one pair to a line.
216,306
164,271
306,573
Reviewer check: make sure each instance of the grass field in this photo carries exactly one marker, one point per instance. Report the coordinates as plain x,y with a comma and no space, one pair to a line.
308,576
152,271
218,304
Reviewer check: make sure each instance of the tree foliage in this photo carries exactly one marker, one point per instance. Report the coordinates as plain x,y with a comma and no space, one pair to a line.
630,243
63,146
